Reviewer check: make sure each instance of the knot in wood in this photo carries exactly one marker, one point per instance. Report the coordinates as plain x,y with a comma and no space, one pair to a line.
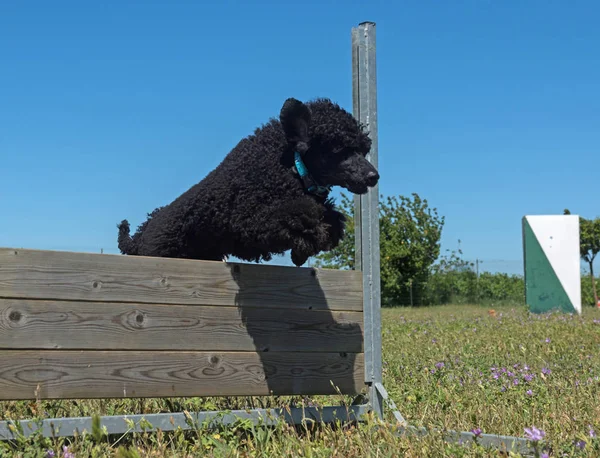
139,318
96,284
163,281
14,316
214,359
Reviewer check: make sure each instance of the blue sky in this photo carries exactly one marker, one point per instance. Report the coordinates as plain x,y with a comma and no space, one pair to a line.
489,109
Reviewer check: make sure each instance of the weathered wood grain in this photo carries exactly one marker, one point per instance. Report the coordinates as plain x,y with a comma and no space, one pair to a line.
37,274
50,374
31,324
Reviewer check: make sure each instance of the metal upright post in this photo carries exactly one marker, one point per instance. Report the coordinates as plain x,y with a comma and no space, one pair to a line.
364,94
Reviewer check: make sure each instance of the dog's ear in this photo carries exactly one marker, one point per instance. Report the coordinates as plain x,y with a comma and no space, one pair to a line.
295,118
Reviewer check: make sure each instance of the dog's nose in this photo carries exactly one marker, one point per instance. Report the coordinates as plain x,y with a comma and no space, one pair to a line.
372,178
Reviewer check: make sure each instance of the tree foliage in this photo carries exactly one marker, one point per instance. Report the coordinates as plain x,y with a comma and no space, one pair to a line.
410,233
589,246
342,257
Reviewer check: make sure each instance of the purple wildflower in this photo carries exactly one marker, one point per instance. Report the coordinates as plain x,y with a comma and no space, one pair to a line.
547,339
50,454
545,455
592,432
580,444
529,393
534,434
528,377
546,371
516,381
439,365
66,453
476,431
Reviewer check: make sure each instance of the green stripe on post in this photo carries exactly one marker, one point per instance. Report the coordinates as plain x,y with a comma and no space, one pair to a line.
543,290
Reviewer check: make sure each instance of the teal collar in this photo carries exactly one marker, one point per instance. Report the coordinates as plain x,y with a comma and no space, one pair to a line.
309,182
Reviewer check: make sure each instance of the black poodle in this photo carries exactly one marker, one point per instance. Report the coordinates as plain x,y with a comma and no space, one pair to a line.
269,195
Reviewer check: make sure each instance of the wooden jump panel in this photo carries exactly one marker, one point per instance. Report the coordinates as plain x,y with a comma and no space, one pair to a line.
38,324
49,374
57,275
81,325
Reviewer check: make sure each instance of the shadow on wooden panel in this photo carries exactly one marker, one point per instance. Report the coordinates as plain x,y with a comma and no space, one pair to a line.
330,370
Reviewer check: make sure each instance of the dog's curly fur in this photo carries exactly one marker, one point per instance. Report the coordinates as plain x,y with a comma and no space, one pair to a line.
254,204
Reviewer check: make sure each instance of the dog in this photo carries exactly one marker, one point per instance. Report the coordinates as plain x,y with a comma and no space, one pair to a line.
269,195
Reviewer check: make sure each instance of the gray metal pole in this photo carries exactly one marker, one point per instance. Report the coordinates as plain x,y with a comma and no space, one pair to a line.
356,112
364,95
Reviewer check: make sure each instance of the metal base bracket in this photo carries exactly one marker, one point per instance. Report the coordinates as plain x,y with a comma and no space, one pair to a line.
390,404
123,424
503,443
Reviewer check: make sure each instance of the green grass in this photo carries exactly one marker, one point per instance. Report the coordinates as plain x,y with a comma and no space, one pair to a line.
554,358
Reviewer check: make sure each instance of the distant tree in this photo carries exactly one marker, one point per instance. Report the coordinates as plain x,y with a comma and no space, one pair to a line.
342,257
452,280
410,233
589,245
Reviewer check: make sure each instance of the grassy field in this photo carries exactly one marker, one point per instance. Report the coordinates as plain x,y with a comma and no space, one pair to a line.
453,367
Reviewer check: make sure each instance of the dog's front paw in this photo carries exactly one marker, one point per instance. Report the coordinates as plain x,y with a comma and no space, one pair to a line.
303,248
299,258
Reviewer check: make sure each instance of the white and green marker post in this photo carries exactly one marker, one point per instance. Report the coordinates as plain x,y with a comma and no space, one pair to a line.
552,263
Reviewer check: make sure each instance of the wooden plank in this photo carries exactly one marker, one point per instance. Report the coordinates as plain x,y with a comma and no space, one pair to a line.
31,324
37,274
56,374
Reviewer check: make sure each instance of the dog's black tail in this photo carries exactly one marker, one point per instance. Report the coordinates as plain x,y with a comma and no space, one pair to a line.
125,242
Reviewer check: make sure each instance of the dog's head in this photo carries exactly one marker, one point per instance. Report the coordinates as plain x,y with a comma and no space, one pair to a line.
331,142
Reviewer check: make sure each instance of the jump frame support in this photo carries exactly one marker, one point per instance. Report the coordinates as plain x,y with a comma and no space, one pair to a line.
366,210
364,94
